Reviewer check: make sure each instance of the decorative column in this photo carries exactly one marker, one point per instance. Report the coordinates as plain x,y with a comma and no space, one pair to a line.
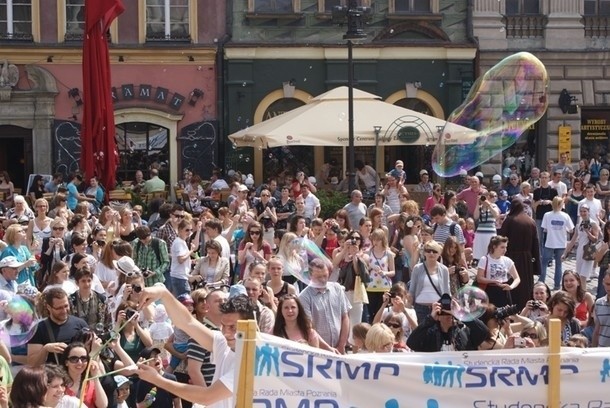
564,29
487,24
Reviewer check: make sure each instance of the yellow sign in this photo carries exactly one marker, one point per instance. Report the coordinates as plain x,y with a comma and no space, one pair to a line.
565,141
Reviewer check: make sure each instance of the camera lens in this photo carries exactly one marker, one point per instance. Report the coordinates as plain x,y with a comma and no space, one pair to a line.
137,288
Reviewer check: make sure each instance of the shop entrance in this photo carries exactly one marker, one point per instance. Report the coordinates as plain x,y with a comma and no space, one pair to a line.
16,154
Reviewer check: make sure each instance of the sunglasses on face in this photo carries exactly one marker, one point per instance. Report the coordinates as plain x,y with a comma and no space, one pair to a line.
394,325
178,215
78,359
430,251
533,336
255,232
58,228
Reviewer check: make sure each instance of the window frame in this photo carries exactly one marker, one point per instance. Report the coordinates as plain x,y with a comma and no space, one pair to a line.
296,8
597,9
192,29
520,6
322,5
62,22
434,8
35,23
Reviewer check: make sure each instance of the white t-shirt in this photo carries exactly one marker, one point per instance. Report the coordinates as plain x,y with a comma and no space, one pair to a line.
560,186
557,224
496,269
311,203
224,358
108,275
595,207
179,270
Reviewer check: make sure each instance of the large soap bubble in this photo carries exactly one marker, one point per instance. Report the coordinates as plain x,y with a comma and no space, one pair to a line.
307,251
501,106
20,319
470,303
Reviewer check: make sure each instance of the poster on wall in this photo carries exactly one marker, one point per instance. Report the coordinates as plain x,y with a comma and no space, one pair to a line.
594,132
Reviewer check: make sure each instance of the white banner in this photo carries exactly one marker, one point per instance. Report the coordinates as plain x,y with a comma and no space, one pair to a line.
291,375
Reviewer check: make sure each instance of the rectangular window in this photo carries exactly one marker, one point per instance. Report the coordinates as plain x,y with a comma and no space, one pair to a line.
412,6
597,7
75,20
329,5
167,20
16,20
519,7
273,6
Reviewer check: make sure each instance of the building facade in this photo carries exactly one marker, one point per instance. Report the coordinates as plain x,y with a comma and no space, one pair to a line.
163,56
417,54
571,38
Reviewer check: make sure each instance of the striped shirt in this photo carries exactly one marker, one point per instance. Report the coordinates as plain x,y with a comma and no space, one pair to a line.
325,308
197,353
602,317
443,231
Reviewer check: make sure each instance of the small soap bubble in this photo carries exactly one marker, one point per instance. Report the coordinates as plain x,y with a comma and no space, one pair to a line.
307,251
470,303
22,319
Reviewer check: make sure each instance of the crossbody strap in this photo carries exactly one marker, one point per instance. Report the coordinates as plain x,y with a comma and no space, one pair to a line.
430,279
51,337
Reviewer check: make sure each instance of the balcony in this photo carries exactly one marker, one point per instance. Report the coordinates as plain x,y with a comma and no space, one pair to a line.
596,26
525,26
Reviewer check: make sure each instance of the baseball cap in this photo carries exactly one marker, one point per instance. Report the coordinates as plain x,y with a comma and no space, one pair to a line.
10,262
121,380
148,352
463,173
422,172
399,163
185,298
497,178
242,187
237,290
503,193
479,174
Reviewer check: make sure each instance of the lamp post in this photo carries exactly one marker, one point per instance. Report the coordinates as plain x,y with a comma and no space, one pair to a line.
355,17
377,130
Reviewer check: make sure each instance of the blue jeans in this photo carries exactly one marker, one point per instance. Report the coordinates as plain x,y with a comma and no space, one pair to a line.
180,286
547,255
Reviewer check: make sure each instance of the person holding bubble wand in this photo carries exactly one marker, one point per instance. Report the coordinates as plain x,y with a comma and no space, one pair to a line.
221,344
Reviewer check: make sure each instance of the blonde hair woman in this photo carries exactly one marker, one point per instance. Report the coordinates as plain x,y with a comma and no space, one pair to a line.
379,339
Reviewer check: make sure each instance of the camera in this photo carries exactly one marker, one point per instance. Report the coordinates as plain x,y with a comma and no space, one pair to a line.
483,198
129,312
392,295
445,303
519,342
585,225
136,288
100,242
536,304
147,273
503,312
353,242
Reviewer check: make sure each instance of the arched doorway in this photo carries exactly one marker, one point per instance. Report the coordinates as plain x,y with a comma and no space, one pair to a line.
16,154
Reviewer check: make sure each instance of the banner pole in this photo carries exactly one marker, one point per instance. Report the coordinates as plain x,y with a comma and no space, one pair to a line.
554,386
245,382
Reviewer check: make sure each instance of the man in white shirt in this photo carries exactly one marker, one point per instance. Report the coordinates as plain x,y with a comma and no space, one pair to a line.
595,205
221,393
557,184
213,229
312,204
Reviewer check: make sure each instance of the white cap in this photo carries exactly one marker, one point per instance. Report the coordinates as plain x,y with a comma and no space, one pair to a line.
479,174
10,262
463,173
422,172
312,180
497,178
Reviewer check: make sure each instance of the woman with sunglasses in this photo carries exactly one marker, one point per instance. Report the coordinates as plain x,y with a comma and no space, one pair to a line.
180,253
429,281
394,322
53,248
585,232
292,323
352,263
435,198
498,272
60,207
74,360
396,303
15,239
533,334
39,227
252,247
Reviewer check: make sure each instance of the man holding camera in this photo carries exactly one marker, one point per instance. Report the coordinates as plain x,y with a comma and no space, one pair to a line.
440,331
150,255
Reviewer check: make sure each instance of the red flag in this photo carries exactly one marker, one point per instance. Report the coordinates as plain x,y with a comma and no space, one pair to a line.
98,147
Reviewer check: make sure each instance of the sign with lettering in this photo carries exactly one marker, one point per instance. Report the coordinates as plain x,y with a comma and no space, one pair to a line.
594,131
146,92
289,374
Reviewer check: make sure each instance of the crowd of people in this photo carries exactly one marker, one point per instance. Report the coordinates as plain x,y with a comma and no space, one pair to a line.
117,286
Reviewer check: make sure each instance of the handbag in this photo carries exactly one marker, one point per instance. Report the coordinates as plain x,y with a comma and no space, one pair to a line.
481,285
360,295
589,250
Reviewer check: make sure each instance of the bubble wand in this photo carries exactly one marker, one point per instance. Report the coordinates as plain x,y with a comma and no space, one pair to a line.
96,354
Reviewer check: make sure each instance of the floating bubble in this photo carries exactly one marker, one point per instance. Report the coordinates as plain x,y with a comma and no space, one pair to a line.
307,251
247,159
442,84
501,106
271,155
21,319
341,116
241,156
100,328
470,303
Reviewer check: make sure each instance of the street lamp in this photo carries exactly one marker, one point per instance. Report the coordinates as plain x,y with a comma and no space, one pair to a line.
377,130
355,17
